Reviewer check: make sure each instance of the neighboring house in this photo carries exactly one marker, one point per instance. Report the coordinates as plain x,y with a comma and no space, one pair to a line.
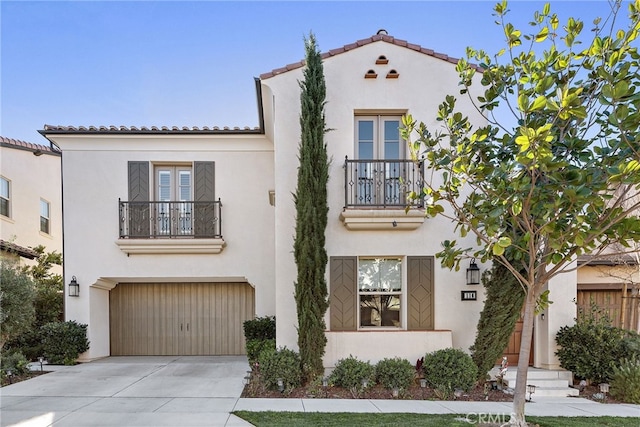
178,235
613,285
17,253
30,199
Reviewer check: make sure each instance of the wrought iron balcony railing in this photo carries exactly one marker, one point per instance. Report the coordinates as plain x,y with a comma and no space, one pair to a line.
170,219
382,183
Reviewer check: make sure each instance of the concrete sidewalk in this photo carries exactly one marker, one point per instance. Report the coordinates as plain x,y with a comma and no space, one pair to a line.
544,406
203,391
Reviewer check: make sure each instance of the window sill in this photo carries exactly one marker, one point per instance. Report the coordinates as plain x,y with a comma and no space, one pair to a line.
170,246
382,219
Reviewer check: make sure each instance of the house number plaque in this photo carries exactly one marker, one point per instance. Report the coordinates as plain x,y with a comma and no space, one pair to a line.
468,295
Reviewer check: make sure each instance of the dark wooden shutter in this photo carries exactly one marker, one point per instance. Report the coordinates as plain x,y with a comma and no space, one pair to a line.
343,277
205,217
139,219
420,303
204,181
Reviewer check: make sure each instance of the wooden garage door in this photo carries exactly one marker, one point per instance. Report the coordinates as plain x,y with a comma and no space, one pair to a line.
179,318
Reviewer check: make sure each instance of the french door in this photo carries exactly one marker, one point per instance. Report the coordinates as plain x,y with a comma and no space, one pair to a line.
174,192
378,144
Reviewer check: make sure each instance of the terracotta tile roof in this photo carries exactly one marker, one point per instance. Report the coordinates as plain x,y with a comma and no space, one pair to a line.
608,260
22,145
20,250
378,37
52,129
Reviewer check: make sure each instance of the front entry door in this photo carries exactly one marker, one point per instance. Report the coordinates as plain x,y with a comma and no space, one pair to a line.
513,348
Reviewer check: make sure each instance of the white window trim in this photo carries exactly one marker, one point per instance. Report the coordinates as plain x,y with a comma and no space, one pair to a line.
402,293
8,198
48,203
175,172
378,135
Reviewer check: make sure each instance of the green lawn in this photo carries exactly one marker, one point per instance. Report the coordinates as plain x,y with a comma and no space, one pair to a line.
263,419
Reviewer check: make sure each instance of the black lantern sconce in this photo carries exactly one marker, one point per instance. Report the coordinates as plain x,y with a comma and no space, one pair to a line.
473,273
74,287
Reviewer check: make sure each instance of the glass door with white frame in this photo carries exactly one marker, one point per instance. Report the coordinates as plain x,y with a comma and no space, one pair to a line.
174,210
378,144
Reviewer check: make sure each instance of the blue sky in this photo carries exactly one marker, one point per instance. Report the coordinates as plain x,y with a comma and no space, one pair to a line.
192,63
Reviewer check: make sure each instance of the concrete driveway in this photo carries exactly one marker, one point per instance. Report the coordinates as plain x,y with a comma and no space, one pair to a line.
130,391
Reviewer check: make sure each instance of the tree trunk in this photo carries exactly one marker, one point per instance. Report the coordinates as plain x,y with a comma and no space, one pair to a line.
520,392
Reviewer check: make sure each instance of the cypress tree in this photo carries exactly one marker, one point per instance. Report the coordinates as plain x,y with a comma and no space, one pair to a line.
502,307
312,210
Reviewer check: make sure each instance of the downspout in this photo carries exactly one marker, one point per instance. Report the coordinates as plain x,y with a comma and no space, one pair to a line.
64,264
260,106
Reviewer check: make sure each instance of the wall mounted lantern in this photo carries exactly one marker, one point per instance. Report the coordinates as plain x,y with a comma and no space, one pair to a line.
473,273
74,287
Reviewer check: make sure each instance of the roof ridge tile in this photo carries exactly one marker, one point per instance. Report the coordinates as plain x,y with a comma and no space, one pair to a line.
362,42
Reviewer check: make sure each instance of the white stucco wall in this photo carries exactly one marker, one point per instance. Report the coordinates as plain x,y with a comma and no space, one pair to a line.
562,312
604,274
423,83
95,177
32,178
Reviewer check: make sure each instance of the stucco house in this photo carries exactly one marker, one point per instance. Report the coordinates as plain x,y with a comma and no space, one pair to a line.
30,199
177,235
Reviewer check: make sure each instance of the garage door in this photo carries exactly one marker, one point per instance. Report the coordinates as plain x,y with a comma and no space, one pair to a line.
179,318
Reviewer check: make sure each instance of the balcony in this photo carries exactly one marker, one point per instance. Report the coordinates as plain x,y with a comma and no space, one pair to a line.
170,227
376,194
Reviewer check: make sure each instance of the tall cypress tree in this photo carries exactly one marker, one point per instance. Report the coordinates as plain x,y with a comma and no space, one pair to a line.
311,216
498,318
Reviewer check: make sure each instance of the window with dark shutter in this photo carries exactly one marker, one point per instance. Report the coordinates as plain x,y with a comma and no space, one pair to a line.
373,287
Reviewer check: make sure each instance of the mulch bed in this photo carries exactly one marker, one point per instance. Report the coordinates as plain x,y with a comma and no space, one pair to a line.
590,392
415,392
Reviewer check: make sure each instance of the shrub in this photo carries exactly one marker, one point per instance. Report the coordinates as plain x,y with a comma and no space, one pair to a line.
48,303
29,343
64,341
625,383
280,364
630,345
395,373
592,347
16,302
350,372
449,369
255,347
260,328
14,362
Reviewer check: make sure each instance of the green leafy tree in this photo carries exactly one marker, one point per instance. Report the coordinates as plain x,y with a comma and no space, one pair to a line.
16,301
311,216
564,180
49,297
